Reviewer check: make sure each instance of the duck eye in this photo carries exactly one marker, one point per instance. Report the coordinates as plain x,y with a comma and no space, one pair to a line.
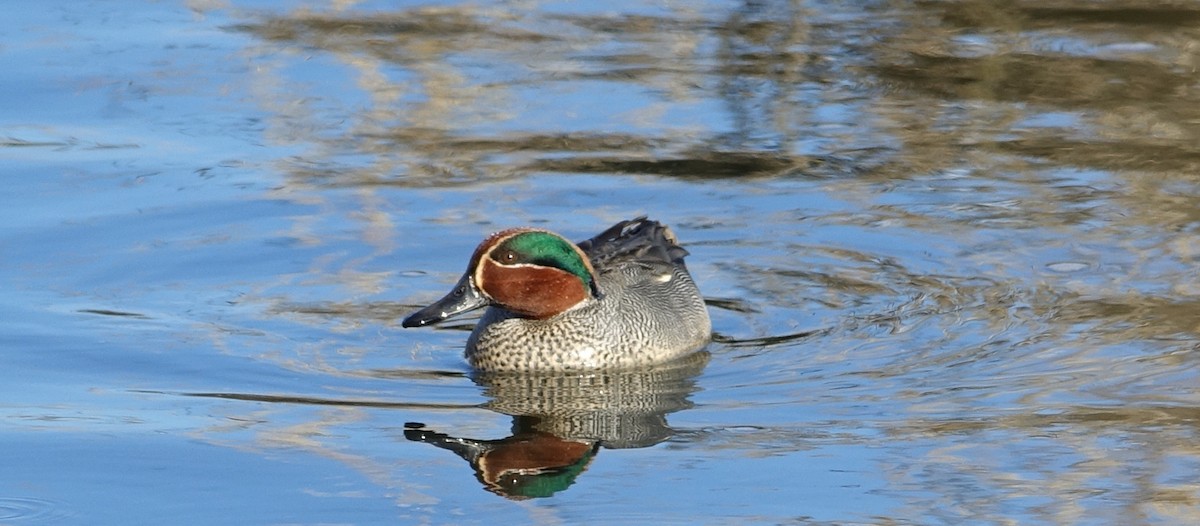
507,256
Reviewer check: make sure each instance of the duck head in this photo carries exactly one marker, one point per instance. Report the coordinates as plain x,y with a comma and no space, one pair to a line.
531,272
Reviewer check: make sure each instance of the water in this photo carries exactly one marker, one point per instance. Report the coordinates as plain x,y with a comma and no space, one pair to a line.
949,249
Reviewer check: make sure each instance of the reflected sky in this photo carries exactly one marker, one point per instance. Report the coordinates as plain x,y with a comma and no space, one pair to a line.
949,251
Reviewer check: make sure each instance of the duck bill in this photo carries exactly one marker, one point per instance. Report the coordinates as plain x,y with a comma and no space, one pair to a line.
464,297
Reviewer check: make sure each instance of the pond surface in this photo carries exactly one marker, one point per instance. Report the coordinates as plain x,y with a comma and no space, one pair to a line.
950,251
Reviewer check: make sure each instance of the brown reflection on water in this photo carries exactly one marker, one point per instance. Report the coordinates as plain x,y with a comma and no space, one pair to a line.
765,65
420,127
1068,82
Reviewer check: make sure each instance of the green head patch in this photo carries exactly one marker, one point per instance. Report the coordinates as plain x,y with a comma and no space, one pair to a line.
543,249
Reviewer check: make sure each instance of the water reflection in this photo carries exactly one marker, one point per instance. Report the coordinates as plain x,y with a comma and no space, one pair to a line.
528,464
560,421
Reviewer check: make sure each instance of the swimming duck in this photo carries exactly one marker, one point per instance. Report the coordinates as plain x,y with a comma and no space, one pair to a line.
622,299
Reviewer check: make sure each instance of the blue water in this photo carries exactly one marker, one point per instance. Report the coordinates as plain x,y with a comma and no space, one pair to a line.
949,252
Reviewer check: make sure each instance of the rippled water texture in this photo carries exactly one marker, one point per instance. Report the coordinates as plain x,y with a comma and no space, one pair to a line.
950,251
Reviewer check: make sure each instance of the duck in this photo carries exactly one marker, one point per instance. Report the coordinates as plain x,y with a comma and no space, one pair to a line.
621,300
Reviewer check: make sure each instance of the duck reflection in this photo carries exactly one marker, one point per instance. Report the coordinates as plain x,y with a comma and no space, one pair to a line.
561,420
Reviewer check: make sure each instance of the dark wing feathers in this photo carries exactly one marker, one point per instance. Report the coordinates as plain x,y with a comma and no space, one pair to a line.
638,241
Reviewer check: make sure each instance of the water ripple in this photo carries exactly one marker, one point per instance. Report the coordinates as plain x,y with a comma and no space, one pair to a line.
28,510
